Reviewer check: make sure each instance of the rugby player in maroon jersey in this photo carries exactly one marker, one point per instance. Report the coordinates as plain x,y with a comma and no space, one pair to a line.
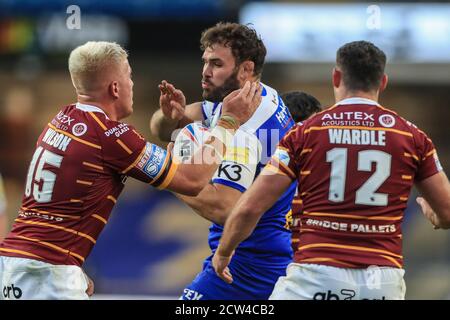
301,105
78,170
356,163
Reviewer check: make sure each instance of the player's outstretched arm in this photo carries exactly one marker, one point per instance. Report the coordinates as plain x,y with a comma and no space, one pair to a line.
264,192
173,112
435,203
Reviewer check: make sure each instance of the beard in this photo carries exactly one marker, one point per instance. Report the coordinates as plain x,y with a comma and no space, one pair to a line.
217,94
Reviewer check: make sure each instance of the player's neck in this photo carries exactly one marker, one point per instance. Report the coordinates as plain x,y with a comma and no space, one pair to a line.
357,94
89,100
251,79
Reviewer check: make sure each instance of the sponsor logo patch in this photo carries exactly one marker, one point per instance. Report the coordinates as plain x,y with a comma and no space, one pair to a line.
155,163
387,120
12,292
145,156
79,129
282,156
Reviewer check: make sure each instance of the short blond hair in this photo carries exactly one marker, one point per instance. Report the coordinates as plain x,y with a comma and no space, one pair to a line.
89,61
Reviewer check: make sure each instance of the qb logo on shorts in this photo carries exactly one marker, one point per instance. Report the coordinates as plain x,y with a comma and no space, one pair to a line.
12,292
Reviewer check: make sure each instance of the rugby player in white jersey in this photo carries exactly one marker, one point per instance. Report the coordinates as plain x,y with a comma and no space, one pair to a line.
233,54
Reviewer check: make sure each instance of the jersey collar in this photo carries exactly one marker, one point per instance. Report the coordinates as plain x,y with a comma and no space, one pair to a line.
89,108
357,100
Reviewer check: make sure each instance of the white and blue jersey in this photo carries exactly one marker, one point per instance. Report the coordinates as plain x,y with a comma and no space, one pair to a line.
263,257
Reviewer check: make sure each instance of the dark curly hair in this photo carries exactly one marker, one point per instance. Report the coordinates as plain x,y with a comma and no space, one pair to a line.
362,64
243,40
301,105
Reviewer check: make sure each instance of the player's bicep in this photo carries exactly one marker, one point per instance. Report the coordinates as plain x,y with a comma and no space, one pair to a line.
264,192
238,169
234,175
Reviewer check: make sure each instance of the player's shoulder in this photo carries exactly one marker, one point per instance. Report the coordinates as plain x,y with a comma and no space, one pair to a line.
106,128
270,98
268,91
388,118
270,114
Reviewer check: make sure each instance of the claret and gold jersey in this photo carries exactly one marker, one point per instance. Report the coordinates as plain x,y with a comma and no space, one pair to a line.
75,177
355,163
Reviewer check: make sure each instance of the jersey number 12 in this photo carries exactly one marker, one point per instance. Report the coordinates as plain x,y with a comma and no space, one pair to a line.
366,193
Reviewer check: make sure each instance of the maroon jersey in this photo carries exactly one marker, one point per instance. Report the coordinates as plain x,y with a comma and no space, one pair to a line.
293,219
74,179
356,163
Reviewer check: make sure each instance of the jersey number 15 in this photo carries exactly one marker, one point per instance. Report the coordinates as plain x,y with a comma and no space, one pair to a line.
48,178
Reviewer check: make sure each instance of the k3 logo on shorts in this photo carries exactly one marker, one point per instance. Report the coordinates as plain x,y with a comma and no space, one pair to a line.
12,292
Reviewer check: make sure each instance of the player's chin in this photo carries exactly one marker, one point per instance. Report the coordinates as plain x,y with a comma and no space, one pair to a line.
128,111
206,93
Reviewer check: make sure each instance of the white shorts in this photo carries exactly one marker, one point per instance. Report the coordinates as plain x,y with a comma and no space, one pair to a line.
32,279
321,282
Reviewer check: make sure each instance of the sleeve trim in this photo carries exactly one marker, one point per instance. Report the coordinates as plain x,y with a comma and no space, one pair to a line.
429,154
162,172
276,170
285,167
231,184
172,170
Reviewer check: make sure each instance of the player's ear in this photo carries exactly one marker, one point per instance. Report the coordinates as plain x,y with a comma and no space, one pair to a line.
113,89
246,70
337,77
384,82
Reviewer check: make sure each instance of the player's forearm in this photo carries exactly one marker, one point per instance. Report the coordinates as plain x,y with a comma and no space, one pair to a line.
264,192
208,204
436,191
193,176
238,227
162,127
240,224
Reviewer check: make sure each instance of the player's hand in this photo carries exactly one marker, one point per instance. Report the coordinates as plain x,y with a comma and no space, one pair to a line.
90,288
171,101
220,264
242,103
428,212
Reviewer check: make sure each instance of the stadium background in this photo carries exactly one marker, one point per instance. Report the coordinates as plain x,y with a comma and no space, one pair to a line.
153,244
